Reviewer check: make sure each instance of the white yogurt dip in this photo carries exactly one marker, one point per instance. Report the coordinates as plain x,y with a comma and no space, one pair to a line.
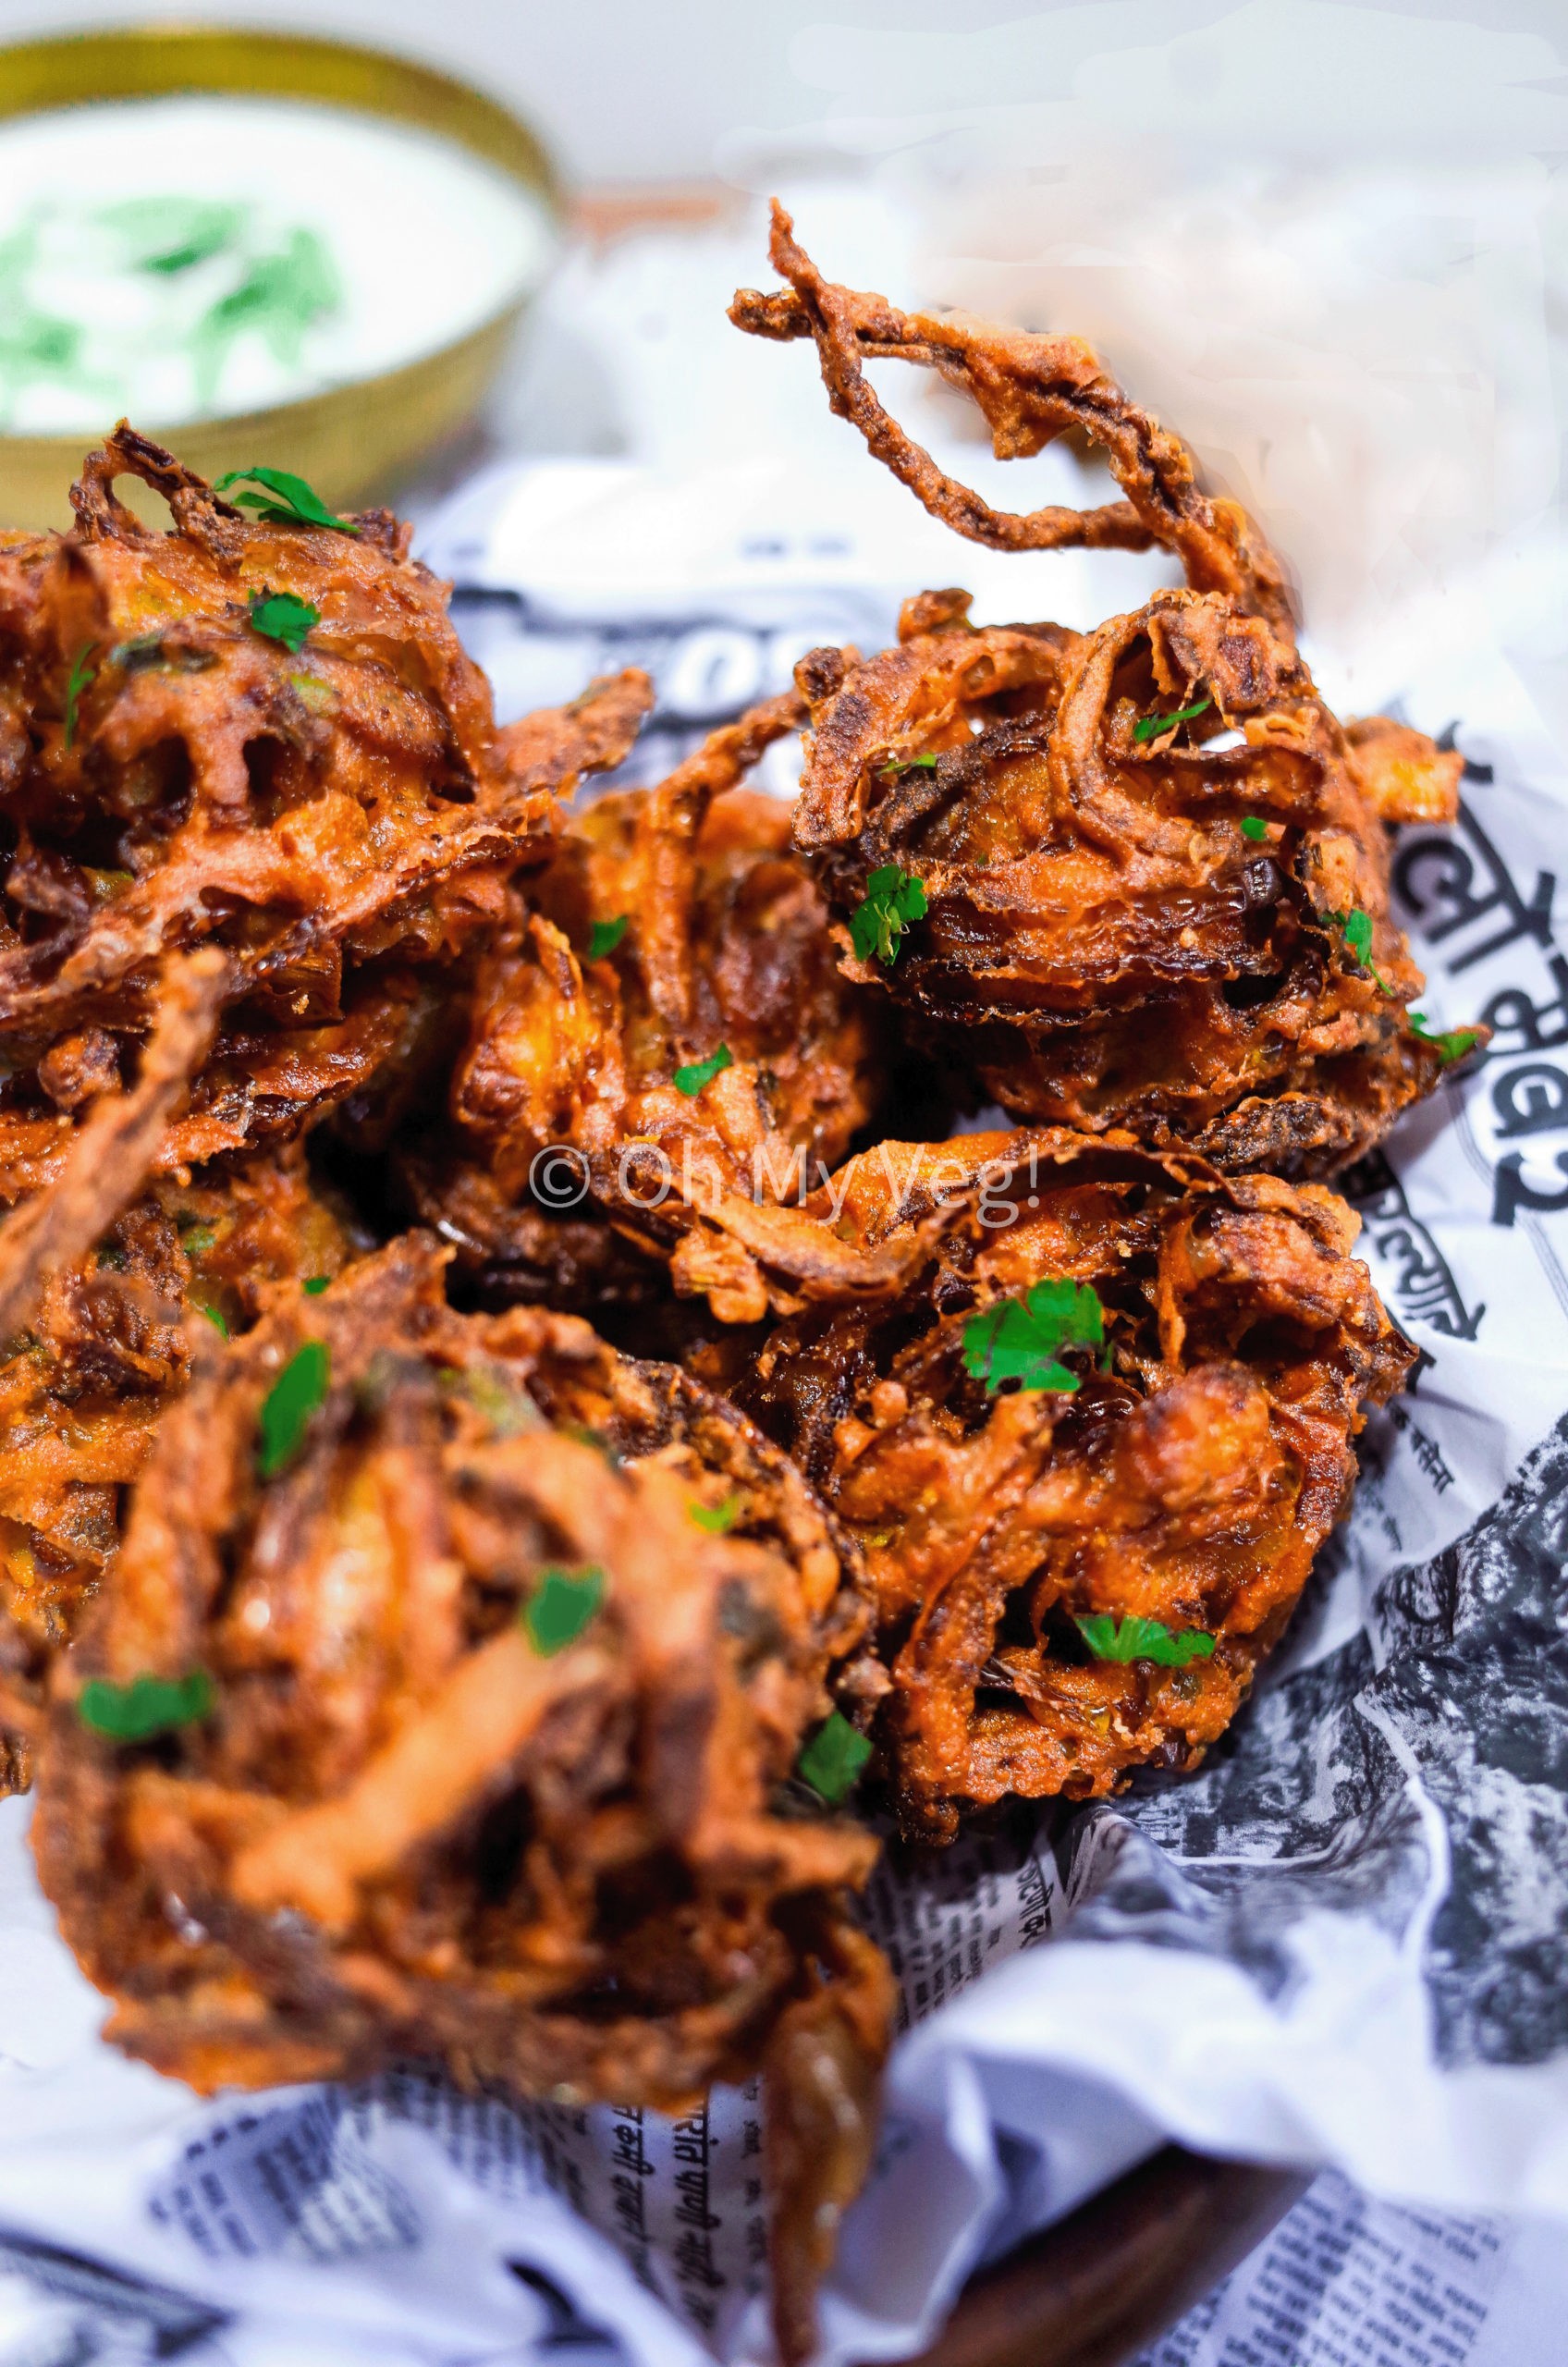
190,258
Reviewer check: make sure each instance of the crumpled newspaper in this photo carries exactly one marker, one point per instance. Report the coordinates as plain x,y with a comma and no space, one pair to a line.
1341,1943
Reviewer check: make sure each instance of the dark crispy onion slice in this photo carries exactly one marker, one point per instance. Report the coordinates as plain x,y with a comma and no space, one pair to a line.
1030,390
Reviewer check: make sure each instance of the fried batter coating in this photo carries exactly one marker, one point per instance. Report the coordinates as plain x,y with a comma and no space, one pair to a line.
1155,876
1029,389
84,1386
418,1819
584,1069
1186,934
1187,1474
171,772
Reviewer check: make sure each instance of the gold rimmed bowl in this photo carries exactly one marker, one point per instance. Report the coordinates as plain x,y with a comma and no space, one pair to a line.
358,437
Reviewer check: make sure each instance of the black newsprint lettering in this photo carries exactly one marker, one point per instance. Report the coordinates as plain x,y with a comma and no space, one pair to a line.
1035,1916
1536,1027
1424,1288
1447,885
1443,884
1512,1193
1483,773
1530,1100
629,2170
565,2329
106,2303
698,2272
1425,1450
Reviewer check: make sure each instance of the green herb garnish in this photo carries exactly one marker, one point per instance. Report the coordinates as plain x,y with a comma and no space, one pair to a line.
893,898
197,1239
1143,1639
1253,827
282,500
560,1607
691,1079
1451,1046
315,1284
147,1706
280,616
1356,927
216,1318
834,1760
277,298
605,936
1153,725
294,1396
897,766
1018,1339
81,675
168,235
717,1519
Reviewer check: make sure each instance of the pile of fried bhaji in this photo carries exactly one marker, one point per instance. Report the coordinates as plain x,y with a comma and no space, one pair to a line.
529,1406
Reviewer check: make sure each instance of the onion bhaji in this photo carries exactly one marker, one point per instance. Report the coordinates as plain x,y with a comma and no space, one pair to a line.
478,1659
662,1028
1151,866
1117,1388
106,1349
260,733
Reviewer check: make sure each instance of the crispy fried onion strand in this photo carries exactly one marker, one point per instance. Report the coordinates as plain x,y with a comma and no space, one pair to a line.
1030,389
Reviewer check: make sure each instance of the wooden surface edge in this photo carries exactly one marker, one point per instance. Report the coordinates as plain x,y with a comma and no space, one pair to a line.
1098,2286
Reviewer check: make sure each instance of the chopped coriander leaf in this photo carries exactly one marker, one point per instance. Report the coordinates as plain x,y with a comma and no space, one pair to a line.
895,765
1018,1339
893,898
1143,1639
147,1706
1358,933
1253,826
718,1518
606,936
82,674
282,500
294,1396
197,1239
1153,725
560,1607
696,1074
216,1318
1450,1046
279,616
316,1284
834,1760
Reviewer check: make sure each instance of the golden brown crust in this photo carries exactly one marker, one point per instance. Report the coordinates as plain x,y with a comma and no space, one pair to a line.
1153,932
172,774
408,1827
84,1386
1189,1476
724,950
